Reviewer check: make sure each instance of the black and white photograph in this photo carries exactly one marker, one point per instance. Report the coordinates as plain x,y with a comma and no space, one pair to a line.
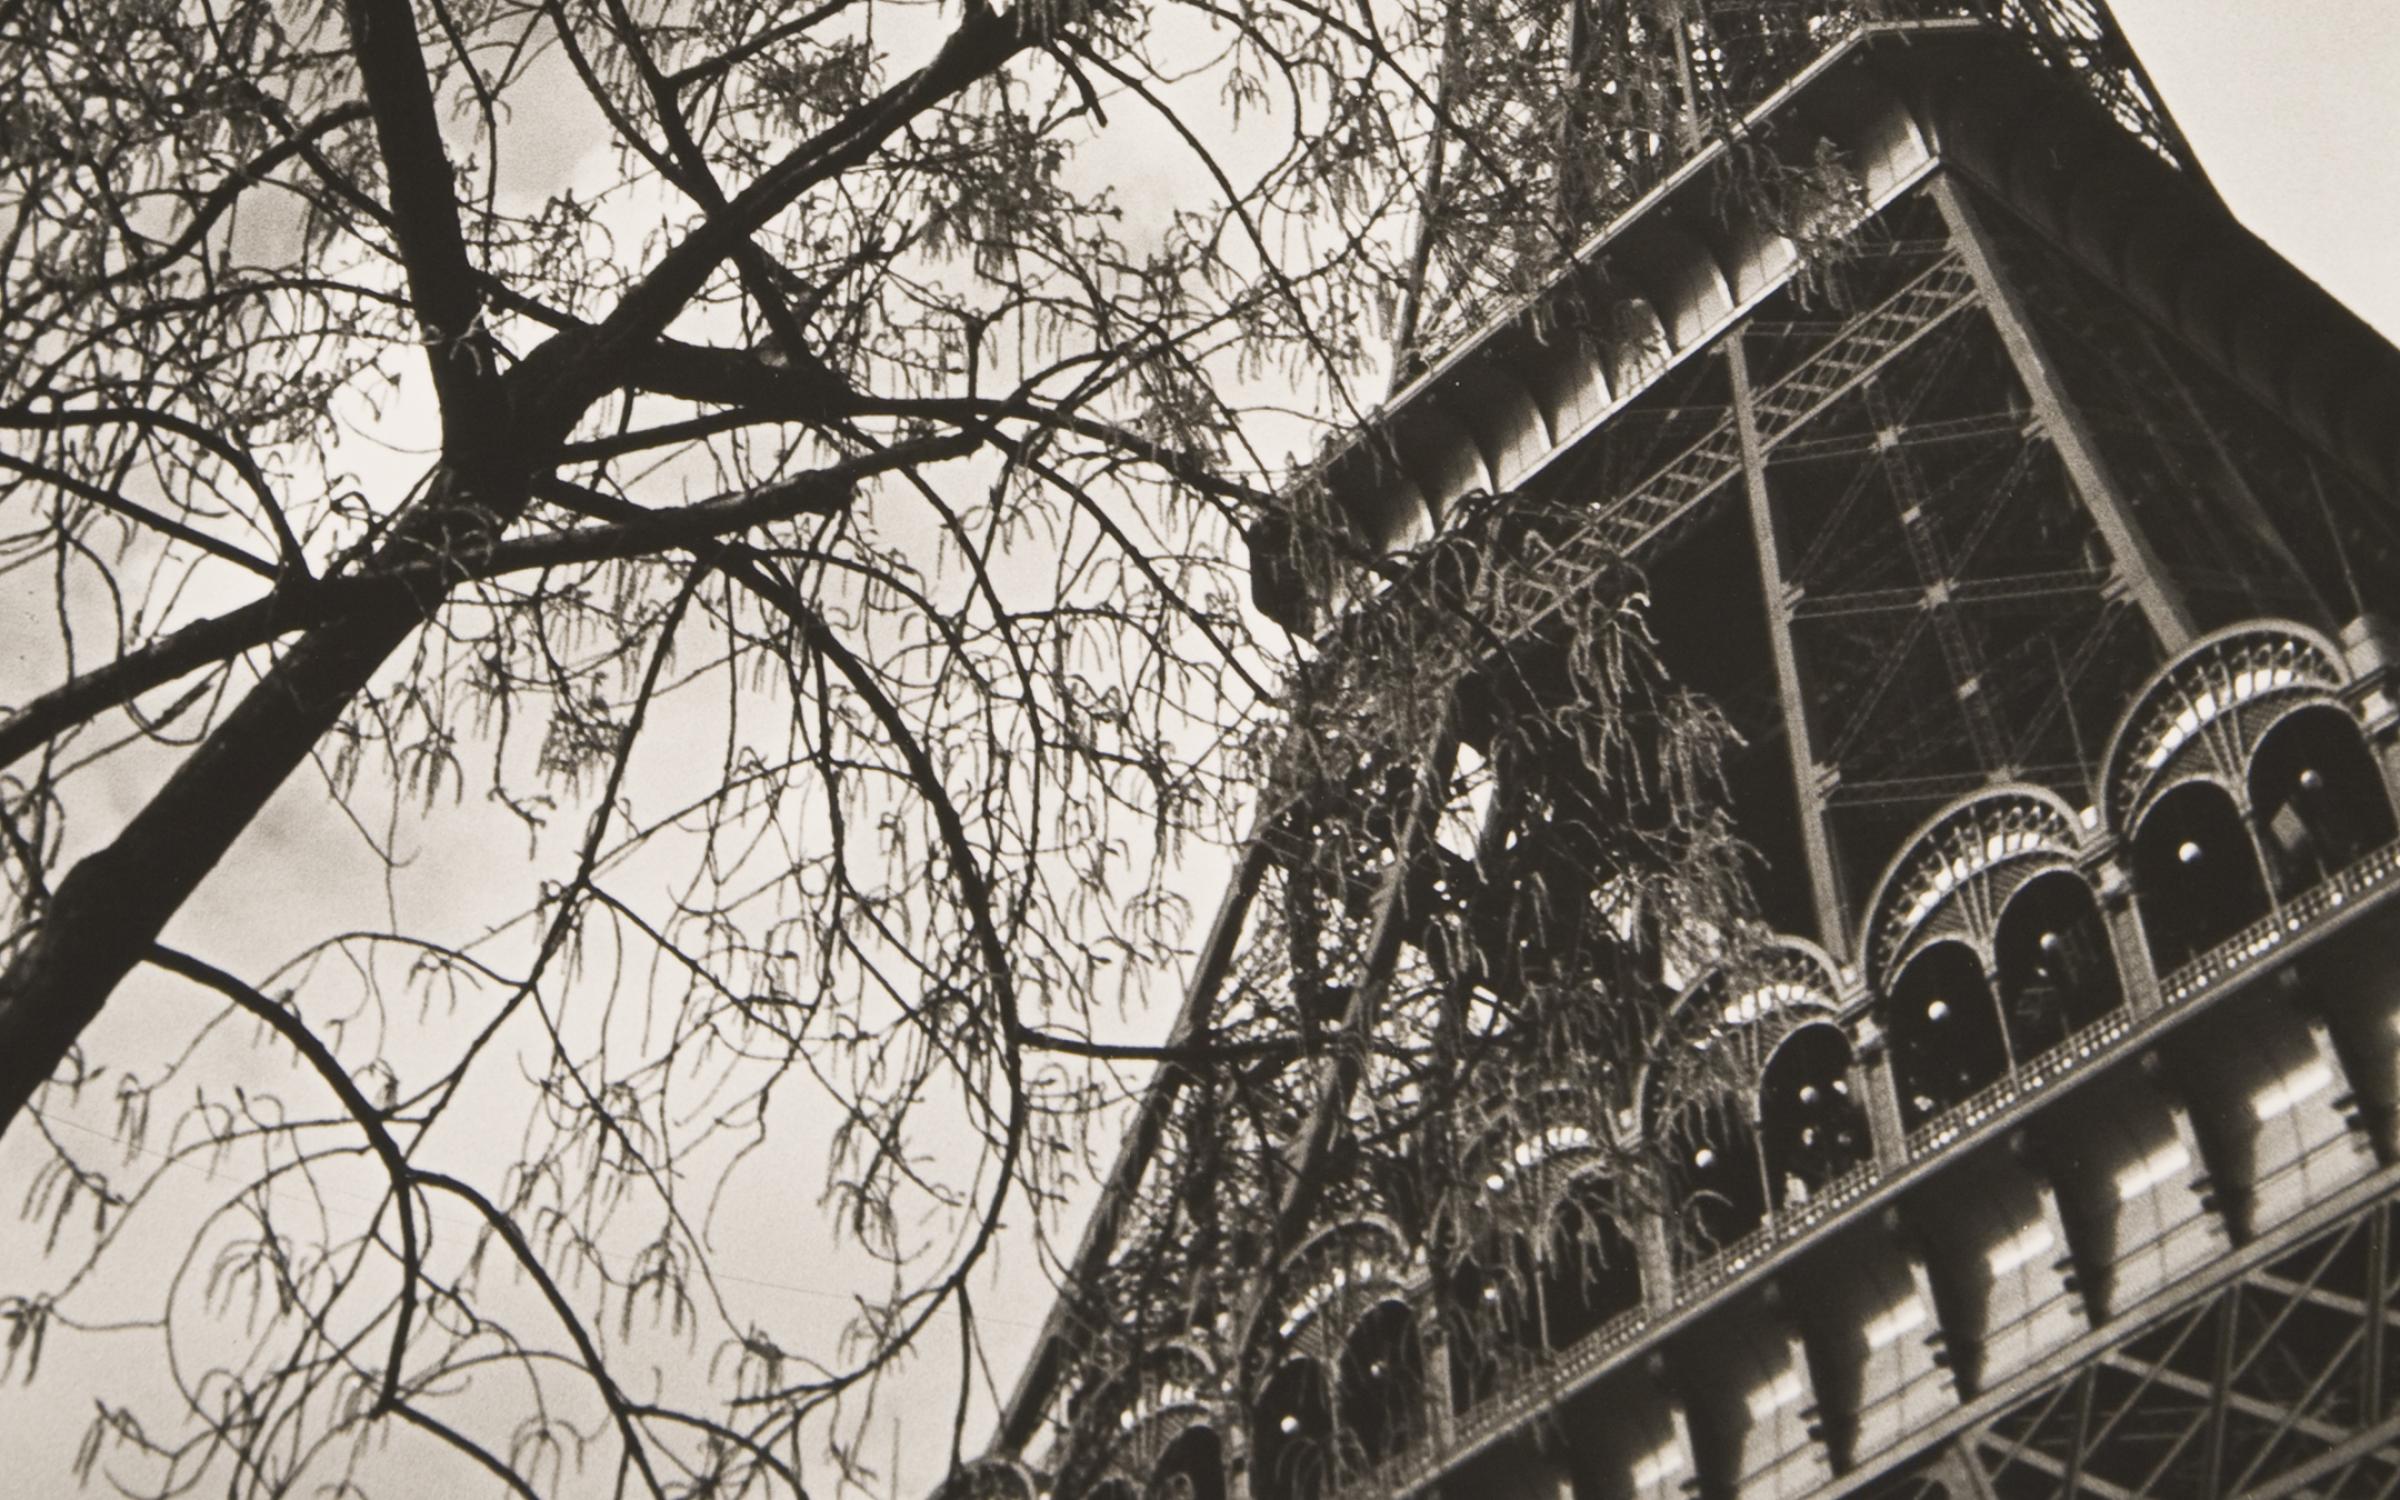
1200,749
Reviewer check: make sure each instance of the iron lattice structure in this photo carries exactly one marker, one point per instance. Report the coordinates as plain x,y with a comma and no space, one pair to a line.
1826,923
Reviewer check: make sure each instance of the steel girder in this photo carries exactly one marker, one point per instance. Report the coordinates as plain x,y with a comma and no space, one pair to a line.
2277,1381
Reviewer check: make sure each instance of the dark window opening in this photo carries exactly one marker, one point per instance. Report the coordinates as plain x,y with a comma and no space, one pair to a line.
2319,797
1714,1176
1192,1468
2195,873
2058,973
1947,1040
1291,1432
1490,1318
1382,1384
1813,1129
1589,1270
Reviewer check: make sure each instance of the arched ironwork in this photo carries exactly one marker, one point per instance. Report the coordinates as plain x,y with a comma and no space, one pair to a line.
1291,1434
1380,1398
1146,1410
2057,969
2317,797
1955,875
2202,714
1191,1468
1811,1129
1716,1184
1590,1270
1946,1035
1700,1087
2197,878
1491,1318
993,1478
1533,1146
1325,1286
1719,1035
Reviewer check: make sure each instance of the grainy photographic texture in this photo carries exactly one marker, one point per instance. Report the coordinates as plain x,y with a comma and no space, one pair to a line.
1636,747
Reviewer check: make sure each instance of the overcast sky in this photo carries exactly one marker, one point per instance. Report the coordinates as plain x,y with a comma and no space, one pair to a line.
2294,107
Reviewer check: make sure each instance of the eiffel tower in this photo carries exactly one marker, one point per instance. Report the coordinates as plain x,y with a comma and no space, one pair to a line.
2025,518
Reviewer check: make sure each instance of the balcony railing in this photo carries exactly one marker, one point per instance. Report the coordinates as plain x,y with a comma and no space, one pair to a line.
1533,1381
1996,1097
2250,948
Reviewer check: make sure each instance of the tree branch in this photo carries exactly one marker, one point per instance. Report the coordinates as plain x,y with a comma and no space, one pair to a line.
134,510
442,282
300,605
328,1067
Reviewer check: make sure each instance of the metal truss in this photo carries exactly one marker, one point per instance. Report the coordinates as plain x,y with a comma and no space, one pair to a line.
2278,1382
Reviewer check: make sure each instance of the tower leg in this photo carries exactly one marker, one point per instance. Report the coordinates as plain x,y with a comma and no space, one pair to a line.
2137,564
1808,778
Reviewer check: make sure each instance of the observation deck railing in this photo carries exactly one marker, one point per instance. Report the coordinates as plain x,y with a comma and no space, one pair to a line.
1531,1380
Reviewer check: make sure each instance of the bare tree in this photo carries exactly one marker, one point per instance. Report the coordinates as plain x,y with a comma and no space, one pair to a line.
730,509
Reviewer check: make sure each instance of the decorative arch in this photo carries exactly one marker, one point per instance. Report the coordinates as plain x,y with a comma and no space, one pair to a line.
1811,1129
1291,1433
1535,1148
1955,874
1590,1269
2317,797
1146,1410
1379,1399
2197,875
993,1478
1699,1090
1324,1286
1947,1038
2202,714
2056,968
1191,1468
1729,1022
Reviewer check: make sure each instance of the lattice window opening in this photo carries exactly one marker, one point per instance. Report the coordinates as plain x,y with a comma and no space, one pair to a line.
1380,1395
2198,874
1490,1316
1192,1468
1590,1269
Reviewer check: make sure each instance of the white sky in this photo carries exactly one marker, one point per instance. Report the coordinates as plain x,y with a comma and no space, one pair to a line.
2294,108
